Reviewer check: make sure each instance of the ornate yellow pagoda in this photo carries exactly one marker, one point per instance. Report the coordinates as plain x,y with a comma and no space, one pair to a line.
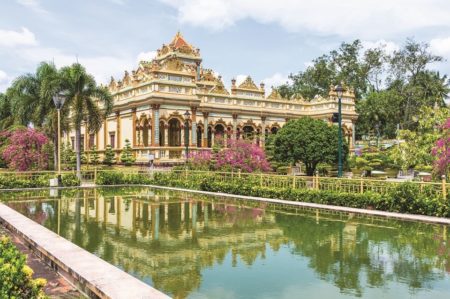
150,103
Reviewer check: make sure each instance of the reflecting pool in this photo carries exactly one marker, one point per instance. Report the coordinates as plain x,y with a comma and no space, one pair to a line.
194,246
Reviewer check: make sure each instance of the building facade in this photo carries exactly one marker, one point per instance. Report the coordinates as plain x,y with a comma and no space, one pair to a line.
150,104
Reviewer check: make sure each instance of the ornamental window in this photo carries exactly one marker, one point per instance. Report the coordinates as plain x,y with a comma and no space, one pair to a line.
112,139
175,89
175,78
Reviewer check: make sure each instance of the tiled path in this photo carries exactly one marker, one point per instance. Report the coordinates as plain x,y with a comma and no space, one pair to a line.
57,286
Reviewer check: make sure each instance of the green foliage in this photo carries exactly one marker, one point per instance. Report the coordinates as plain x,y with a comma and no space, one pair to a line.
24,181
6,114
282,170
307,140
120,178
415,148
70,180
390,89
15,276
36,181
126,157
373,159
83,97
94,157
109,157
360,71
403,198
68,158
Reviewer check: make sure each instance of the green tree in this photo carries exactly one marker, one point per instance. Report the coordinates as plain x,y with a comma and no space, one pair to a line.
6,115
307,140
68,157
414,149
126,157
109,156
31,101
94,158
361,71
88,103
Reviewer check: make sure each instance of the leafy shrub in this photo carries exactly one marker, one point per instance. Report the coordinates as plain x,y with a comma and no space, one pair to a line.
283,170
15,276
118,178
70,180
10,182
403,198
126,157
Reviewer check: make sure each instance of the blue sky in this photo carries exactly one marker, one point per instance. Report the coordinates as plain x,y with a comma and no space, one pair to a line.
267,39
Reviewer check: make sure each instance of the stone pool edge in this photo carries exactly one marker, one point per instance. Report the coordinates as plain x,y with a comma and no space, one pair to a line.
412,217
94,276
401,216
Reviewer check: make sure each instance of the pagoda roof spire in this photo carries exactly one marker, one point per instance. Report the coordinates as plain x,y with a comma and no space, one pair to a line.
178,41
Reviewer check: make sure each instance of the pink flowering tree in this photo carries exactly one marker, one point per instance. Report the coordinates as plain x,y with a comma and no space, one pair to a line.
243,155
441,150
200,160
25,150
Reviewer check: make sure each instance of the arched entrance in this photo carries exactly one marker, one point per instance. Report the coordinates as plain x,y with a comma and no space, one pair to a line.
145,130
199,136
219,133
209,137
274,130
162,136
249,132
174,132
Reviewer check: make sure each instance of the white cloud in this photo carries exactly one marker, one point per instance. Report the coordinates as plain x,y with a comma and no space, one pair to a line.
101,67
240,78
368,18
440,46
34,5
5,81
275,80
10,38
388,46
146,56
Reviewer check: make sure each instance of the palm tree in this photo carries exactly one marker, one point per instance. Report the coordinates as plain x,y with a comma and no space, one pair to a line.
6,116
83,97
30,98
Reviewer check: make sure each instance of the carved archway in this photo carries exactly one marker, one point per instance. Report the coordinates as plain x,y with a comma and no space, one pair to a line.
199,135
174,132
162,135
248,132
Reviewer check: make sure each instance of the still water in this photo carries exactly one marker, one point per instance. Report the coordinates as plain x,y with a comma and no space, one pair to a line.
194,246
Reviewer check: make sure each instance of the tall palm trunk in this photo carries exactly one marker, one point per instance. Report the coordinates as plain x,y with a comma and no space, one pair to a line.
78,150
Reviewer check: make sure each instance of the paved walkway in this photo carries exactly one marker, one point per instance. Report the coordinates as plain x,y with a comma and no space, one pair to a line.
88,271
57,286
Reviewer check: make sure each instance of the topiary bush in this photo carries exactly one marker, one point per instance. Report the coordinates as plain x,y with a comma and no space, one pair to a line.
15,276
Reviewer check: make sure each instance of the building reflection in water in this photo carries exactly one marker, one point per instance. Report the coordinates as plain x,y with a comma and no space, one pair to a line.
168,239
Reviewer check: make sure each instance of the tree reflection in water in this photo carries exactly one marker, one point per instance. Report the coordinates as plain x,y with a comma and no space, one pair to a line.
170,239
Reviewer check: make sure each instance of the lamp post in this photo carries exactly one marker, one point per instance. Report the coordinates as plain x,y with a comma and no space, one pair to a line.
186,133
339,91
58,100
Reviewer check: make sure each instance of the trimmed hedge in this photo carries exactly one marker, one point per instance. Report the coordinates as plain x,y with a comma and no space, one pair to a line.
120,178
43,180
402,198
15,276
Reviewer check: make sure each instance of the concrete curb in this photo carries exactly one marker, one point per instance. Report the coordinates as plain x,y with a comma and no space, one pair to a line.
94,276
